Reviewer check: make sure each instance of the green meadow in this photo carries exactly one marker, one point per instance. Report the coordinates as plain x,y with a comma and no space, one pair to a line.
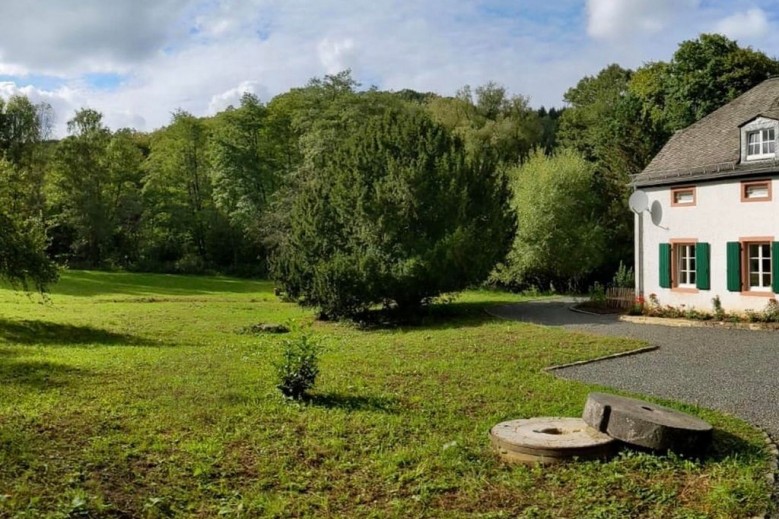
128,395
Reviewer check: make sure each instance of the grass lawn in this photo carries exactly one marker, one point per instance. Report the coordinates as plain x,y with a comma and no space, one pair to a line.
133,396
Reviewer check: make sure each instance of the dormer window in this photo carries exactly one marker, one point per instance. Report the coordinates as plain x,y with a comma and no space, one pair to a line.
761,144
758,139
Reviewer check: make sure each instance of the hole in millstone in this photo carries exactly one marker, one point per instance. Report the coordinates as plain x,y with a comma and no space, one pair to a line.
549,430
647,408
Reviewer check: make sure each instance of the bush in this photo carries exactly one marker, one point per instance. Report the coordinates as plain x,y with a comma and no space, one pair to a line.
624,277
771,312
559,237
299,367
388,211
598,294
719,312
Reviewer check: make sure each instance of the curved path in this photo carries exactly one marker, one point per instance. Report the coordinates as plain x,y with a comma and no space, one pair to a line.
736,371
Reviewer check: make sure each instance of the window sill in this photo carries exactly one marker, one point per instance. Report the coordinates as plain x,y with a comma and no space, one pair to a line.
757,293
685,290
769,156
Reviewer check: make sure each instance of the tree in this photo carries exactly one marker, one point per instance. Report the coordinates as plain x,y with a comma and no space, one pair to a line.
392,214
245,166
584,125
490,122
179,210
124,168
709,72
79,189
23,260
559,239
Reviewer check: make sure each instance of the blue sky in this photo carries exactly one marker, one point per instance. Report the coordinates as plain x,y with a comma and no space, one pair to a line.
138,61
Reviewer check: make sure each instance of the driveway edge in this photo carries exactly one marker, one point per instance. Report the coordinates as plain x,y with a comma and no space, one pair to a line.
549,369
771,474
605,357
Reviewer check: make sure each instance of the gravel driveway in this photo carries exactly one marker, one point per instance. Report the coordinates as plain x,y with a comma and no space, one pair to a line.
736,371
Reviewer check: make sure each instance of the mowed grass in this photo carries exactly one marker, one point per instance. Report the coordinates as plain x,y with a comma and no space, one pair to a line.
132,395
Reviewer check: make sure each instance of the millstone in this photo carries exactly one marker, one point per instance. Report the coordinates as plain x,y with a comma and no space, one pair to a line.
647,425
549,440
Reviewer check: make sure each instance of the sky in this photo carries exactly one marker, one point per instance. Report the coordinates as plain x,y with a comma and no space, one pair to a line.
138,61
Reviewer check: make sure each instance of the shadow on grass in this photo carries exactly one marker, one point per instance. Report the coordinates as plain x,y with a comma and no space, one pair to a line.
353,402
434,317
725,444
95,283
39,375
48,333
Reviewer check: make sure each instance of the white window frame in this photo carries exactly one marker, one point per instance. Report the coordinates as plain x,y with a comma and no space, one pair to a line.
761,272
763,129
686,267
766,143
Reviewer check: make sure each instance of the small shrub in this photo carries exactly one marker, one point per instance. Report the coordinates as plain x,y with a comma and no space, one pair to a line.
532,291
653,300
598,294
751,316
694,314
719,312
299,366
624,277
771,312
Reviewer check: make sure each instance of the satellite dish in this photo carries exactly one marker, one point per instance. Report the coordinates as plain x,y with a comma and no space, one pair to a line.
657,213
638,201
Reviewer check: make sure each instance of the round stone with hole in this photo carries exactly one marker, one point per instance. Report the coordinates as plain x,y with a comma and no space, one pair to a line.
548,440
647,425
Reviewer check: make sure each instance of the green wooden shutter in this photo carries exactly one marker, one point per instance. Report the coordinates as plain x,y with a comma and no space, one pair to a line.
702,271
775,266
734,266
665,265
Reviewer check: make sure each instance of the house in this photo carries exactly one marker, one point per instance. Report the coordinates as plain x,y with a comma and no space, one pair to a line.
706,221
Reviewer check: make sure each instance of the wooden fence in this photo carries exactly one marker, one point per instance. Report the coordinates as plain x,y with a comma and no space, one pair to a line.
622,298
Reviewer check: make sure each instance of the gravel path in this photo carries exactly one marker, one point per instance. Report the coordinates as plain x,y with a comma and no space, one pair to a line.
736,371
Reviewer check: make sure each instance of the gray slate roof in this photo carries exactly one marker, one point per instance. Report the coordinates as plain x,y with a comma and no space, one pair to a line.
710,148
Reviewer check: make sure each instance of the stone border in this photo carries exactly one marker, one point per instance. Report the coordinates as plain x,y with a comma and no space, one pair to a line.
771,474
575,308
549,369
599,359
691,323
681,322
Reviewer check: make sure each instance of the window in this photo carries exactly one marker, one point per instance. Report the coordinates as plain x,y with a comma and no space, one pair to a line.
751,266
761,144
685,265
756,191
758,266
683,196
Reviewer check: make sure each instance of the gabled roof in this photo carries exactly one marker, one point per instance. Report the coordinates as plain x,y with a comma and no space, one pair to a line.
711,147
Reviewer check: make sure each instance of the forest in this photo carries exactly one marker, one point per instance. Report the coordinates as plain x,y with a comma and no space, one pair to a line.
217,194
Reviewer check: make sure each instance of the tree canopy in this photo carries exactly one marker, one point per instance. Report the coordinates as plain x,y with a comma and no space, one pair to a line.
389,212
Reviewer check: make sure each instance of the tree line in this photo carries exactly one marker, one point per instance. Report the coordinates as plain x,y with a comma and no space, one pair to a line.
241,192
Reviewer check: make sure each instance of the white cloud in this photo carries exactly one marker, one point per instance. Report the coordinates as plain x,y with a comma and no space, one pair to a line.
749,24
615,19
55,37
232,97
337,55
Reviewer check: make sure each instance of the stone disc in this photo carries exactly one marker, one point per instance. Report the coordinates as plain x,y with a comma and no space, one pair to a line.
549,440
647,425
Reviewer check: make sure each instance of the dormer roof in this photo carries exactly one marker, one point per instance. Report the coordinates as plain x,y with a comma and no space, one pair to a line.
711,147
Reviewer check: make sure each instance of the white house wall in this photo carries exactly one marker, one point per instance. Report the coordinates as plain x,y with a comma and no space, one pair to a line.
719,216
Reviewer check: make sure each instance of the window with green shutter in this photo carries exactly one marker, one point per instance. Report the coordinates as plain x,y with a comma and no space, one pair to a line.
702,261
775,267
734,266
665,265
